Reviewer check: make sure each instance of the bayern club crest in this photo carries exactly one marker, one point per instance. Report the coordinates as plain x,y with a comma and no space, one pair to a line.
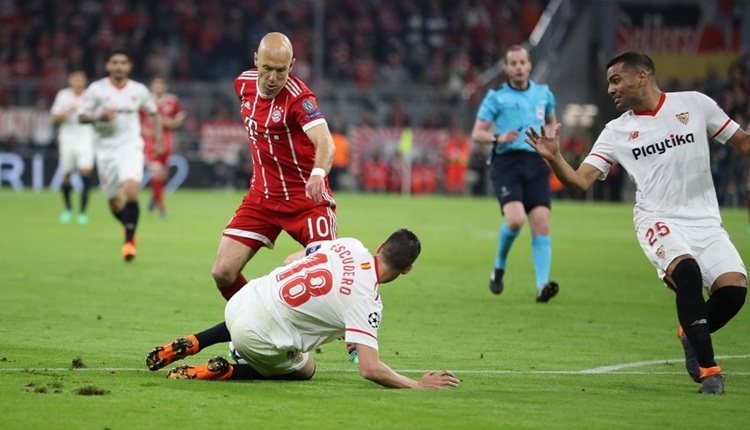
683,117
276,114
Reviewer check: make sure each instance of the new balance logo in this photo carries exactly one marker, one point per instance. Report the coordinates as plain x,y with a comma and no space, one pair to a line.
633,135
698,322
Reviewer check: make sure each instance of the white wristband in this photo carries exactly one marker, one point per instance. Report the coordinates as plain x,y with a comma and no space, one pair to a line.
318,172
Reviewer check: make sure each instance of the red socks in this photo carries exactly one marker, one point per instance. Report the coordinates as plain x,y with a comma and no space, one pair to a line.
229,290
157,188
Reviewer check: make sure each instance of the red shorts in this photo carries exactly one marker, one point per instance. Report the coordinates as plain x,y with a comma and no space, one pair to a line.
163,159
148,150
259,221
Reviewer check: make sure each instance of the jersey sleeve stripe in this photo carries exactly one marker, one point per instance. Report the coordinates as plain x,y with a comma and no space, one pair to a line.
293,88
722,128
313,123
599,156
361,332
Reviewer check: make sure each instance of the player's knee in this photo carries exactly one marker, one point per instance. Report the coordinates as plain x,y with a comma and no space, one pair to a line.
223,273
223,277
308,371
733,296
687,276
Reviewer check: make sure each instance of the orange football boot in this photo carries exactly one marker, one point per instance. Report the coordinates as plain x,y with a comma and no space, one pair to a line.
217,369
171,352
128,251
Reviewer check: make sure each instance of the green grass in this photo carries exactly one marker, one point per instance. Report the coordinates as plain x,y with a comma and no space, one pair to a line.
65,294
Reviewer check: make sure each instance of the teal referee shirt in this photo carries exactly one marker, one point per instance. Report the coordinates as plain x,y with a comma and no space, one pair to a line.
512,109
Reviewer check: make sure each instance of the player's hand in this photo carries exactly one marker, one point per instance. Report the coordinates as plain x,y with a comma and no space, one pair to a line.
314,188
509,136
107,115
438,380
546,144
294,257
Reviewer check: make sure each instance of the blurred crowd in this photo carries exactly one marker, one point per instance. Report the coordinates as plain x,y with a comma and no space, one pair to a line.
443,44
440,42
732,92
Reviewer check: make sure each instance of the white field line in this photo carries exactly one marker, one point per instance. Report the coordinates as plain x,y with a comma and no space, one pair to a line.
616,368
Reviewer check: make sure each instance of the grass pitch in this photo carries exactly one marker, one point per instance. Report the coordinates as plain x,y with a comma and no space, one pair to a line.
76,323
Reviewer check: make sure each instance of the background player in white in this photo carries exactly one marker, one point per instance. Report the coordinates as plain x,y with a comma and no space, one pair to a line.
75,143
274,321
662,141
112,104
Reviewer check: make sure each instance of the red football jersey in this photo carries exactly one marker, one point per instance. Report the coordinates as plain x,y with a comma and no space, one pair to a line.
168,107
283,155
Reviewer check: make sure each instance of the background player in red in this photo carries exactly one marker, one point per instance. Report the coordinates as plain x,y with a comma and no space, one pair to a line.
172,117
375,173
457,153
292,152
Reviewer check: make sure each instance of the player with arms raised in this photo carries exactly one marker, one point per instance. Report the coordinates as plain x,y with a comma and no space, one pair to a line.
662,142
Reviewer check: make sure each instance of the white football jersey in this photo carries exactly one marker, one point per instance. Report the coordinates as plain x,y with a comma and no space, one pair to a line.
330,294
124,131
71,132
666,154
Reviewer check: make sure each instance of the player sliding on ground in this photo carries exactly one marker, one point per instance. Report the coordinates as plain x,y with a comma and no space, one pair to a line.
275,321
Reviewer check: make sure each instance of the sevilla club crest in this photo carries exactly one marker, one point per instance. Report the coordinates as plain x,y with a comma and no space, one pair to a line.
683,117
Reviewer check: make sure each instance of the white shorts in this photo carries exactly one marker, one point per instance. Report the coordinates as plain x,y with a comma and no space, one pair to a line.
664,240
258,339
76,156
115,169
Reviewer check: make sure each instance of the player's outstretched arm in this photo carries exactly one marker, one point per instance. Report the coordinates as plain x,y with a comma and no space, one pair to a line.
321,137
372,369
740,141
546,142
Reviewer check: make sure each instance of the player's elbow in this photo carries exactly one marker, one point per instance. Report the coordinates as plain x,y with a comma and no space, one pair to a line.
367,372
372,372
576,188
